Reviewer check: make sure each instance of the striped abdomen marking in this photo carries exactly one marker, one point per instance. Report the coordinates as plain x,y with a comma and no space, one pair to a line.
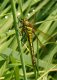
29,32
30,36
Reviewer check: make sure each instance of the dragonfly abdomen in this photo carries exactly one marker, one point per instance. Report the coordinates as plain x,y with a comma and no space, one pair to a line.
30,38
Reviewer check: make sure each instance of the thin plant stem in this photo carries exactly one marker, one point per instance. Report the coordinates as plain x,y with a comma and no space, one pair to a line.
37,59
20,8
35,73
18,38
40,22
28,8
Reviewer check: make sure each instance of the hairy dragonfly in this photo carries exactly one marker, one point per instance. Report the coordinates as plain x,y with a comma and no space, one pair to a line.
27,28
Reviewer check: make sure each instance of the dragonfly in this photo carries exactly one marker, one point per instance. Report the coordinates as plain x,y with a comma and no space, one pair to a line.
28,29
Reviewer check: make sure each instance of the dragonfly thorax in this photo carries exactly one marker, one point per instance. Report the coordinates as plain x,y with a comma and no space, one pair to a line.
25,22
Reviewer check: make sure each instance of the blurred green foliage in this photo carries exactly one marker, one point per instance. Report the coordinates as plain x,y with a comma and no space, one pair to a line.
43,16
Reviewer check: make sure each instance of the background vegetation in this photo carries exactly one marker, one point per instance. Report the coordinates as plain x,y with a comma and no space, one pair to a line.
43,16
